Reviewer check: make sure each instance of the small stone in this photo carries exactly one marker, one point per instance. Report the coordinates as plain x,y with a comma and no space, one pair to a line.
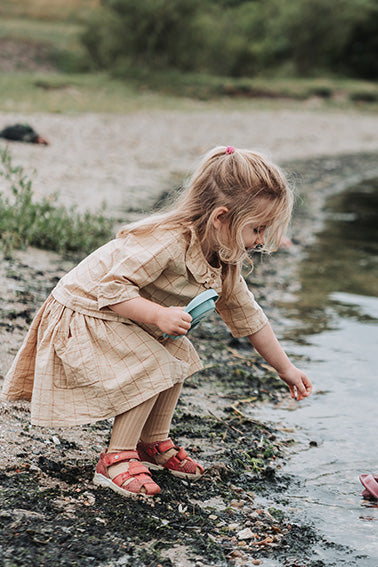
237,489
236,553
237,503
89,498
247,533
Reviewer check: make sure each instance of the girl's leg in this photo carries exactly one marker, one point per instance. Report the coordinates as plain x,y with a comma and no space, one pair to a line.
158,423
126,432
155,447
128,426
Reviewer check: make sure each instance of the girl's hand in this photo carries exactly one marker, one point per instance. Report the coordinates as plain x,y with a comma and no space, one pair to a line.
299,384
173,321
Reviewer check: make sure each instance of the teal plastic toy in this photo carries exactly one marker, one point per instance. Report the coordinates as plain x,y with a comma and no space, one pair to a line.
199,308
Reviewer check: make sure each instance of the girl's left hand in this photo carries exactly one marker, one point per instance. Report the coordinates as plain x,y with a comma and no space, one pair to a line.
299,384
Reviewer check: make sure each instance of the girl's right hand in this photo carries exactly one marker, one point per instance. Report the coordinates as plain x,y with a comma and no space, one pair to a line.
299,384
173,321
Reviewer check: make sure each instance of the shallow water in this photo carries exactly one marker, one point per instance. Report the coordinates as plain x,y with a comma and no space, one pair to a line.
331,327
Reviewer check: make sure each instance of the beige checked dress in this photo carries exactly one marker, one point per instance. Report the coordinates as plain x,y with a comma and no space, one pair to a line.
81,362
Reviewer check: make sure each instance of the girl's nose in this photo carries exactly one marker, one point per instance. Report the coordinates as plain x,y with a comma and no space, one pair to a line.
261,237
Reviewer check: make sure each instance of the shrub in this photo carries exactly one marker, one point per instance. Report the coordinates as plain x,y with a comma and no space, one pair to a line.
152,33
319,35
236,37
44,224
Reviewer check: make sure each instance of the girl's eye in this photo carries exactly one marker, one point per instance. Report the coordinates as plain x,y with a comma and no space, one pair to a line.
259,229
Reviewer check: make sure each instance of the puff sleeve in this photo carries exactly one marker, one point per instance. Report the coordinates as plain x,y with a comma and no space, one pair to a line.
241,313
141,262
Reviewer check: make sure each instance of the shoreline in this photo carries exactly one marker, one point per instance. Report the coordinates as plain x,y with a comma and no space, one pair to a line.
219,512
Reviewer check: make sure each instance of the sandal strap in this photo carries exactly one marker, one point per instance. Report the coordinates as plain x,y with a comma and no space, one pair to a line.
176,460
110,459
136,467
182,461
153,449
136,471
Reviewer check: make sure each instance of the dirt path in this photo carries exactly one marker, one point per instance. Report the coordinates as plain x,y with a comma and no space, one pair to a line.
51,513
128,160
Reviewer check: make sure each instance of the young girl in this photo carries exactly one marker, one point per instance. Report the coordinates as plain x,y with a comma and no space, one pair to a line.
96,349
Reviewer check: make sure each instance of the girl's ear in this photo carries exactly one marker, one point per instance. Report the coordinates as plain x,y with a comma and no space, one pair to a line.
220,217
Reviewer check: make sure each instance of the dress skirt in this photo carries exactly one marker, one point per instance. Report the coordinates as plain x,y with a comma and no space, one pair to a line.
78,369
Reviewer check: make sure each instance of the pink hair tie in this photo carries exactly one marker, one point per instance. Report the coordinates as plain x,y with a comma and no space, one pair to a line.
230,150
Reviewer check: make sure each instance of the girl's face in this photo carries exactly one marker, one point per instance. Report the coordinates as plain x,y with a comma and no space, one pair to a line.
253,235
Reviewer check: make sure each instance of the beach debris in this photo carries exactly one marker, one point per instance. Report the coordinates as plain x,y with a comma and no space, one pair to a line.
22,133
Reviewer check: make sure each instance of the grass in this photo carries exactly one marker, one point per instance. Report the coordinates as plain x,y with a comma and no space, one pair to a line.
44,224
59,35
207,87
58,25
56,10
86,92
97,92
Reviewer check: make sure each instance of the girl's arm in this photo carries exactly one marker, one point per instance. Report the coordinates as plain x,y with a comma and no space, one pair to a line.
266,343
171,320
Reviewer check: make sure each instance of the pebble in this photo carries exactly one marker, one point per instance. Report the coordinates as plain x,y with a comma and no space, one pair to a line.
237,503
236,553
247,533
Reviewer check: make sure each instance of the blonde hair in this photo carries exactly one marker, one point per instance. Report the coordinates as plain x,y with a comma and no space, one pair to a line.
249,186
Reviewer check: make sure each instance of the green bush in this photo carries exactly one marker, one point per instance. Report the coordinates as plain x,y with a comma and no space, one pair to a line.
44,224
235,37
318,34
359,56
152,33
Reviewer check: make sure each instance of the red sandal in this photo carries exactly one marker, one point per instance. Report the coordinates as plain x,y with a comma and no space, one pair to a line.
130,482
180,464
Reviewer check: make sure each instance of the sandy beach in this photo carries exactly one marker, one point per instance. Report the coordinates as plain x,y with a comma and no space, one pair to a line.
127,161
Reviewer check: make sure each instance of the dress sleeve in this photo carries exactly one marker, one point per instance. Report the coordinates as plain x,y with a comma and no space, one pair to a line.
241,313
137,262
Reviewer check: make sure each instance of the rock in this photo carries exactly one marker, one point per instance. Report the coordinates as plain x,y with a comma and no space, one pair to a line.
247,533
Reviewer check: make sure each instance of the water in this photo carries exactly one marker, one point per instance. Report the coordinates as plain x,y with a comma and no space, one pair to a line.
332,327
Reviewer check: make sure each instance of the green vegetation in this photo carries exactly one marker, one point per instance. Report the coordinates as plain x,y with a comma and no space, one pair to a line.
62,35
97,92
44,224
121,56
45,10
205,86
237,38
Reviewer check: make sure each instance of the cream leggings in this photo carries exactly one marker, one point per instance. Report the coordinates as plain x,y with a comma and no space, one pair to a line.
150,421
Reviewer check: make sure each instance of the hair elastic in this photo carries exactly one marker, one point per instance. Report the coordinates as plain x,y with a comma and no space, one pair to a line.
230,150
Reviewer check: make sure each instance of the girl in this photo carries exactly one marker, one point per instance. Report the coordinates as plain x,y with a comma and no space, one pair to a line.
96,347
